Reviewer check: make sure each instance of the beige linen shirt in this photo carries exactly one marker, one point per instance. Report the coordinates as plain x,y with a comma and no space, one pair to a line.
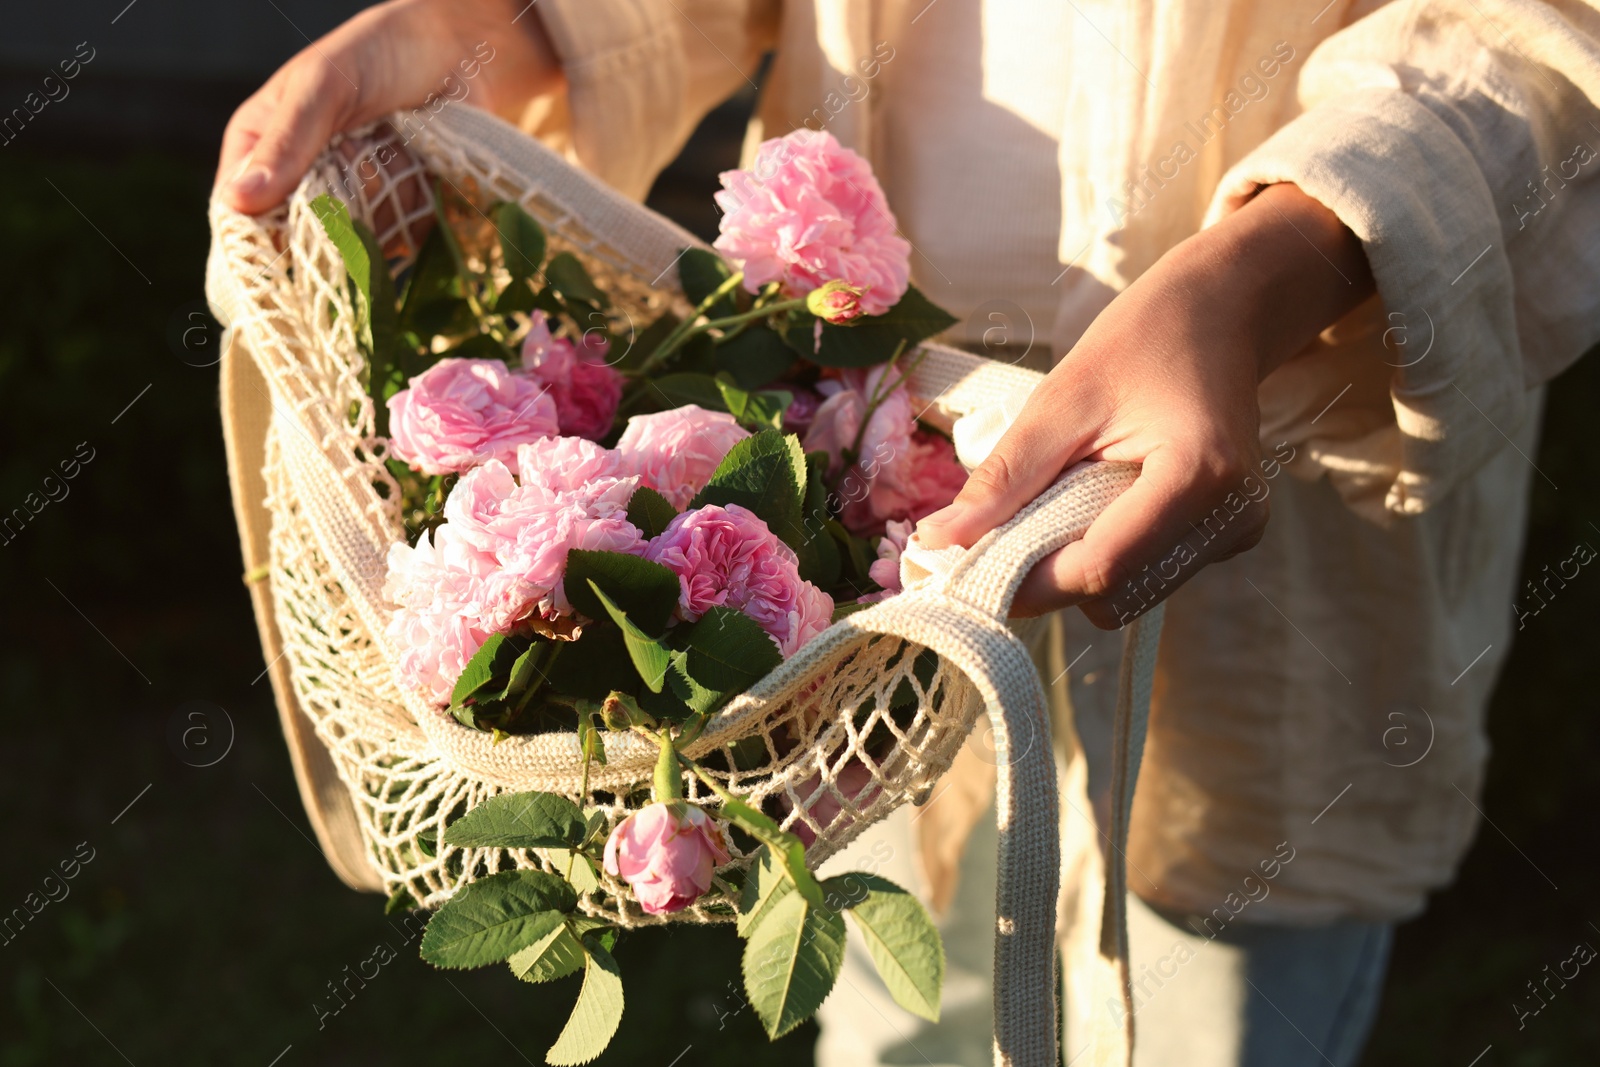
1323,694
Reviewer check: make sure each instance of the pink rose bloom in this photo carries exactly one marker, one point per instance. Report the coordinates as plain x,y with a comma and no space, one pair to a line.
838,421
676,452
911,485
901,471
437,588
463,412
586,390
809,212
727,557
667,858
570,495
854,782
885,570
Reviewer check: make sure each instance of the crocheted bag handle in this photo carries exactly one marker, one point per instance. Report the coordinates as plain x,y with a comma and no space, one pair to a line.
974,595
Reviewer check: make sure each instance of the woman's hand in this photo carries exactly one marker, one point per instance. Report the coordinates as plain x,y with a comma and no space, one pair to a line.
388,57
1166,376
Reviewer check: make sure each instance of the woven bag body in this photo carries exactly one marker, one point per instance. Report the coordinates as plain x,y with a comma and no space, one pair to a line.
382,772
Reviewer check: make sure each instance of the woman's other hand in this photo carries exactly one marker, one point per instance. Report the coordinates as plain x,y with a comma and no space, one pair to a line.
388,57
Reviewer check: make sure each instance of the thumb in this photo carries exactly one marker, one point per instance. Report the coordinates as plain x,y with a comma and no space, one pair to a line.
1028,458
286,126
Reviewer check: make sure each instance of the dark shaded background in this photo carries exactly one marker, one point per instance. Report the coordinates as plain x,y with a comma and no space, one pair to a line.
207,923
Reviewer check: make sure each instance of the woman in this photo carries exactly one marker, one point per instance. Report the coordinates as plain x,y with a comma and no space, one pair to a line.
1322,253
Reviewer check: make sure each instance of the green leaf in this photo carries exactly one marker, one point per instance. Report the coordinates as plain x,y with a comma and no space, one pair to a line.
434,280
671,704
569,278
380,322
646,592
597,1014
765,473
650,511
820,563
555,955
785,847
546,300
765,882
792,958
516,296
698,355
872,339
645,343
701,272
525,669
728,651
758,410
483,346
687,694
650,657
487,920
576,868
447,235
519,820
903,942
341,230
756,358
590,741
449,316
493,660
676,390
521,240
400,900
593,665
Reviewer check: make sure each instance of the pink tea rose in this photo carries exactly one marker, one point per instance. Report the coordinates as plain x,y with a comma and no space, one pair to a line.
570,495
807,212
463,412
676,452
900,471
727,557
912,484
586,390
837,423
853,781
667,853
438,590
885,570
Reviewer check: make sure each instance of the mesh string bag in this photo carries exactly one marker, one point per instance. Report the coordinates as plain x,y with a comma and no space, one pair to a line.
381,772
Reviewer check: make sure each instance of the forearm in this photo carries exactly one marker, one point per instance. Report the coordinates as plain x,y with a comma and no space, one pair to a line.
1297,269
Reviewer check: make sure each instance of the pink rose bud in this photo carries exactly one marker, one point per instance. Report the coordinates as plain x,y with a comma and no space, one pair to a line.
835,302
666,852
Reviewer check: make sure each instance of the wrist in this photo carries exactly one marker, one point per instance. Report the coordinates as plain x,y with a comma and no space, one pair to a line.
1294,267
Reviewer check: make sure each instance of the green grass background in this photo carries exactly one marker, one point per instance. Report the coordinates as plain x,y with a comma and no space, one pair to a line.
208,924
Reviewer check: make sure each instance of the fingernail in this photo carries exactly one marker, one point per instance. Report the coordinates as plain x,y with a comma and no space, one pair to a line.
251,181
942,516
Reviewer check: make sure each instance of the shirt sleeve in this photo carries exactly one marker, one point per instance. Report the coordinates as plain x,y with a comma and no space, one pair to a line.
1460,141
640,74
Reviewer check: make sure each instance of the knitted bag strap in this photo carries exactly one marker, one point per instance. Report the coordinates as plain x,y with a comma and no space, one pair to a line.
977,590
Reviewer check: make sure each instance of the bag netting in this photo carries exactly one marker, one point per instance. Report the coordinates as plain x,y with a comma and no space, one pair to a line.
894,689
